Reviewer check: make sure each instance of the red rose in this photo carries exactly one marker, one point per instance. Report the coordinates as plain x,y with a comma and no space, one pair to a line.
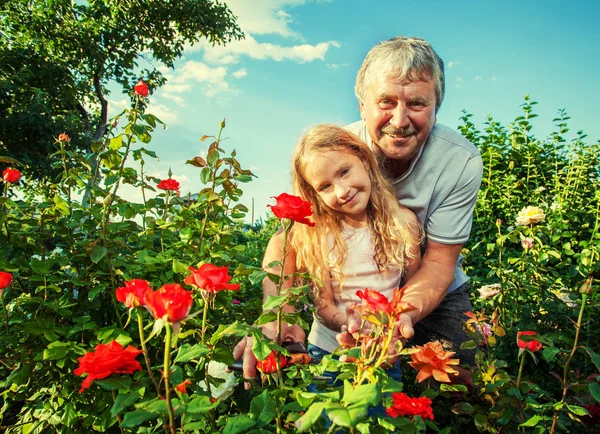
293,208
406,406
211,278
5,279
168,184
182,387
11,175
107,360
531,345
141,89
269,365
133,293
374,301
64,137
170,300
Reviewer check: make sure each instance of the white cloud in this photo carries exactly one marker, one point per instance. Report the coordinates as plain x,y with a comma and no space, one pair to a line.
263,50
193,72
335,66
240,73
260,17
117,106
162,112
452,63
493,78
458,81
479,77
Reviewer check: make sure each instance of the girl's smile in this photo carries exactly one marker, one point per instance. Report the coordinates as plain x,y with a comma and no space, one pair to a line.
342,182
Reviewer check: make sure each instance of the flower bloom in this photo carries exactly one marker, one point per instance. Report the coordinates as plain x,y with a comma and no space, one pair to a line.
170,302
182,387
141,89
211,278
269,366
107,360
532,345
236,302
405,406
433,361
11,175
488,291
221,371
485,330
293,208
133,293
64,137
527,243
5,279
530,215
374,301
168,184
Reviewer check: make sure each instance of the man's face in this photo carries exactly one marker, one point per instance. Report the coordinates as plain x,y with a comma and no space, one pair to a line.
399,116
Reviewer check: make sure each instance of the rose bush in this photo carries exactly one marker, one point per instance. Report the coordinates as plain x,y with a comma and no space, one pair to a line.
82,273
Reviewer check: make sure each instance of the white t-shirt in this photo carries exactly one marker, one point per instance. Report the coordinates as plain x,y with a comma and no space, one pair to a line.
360,272
440,187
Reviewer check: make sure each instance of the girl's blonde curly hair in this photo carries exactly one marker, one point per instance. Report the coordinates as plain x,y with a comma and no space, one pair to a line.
392,235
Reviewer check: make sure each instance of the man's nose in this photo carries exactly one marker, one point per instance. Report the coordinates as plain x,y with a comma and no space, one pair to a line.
399,117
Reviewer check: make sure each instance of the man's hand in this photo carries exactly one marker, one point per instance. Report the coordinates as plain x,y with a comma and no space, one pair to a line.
289,333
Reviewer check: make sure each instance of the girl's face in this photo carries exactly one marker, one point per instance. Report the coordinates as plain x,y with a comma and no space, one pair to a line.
342,182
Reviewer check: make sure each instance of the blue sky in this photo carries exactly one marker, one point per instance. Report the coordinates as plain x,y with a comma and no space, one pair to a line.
297,65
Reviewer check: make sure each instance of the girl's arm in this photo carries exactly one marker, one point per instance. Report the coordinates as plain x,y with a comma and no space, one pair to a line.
327,310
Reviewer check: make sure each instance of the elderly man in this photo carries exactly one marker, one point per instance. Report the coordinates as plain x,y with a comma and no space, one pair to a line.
436,173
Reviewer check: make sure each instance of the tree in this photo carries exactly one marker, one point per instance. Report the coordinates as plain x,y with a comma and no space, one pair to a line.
58,56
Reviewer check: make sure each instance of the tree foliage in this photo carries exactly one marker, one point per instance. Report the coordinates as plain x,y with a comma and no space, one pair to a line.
59,56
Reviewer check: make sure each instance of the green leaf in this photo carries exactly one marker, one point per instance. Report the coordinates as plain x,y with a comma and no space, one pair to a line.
550,353
347,416
180,267
114,382
235,329
135,418
365,394
69,415
98,252
532,421
463,408
116,143
595,357
274,301
122,402
453,388
200,405
266,317
56,350
310,417
238,424
579,411
61,205
189,352
262,409
595,390
40,267
205,175
261,348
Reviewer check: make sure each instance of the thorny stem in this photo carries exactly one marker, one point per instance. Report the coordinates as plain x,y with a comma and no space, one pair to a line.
143,341
204,316
166,377
566,369
213,183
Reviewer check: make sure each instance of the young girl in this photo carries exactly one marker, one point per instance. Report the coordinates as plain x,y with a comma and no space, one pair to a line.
363,237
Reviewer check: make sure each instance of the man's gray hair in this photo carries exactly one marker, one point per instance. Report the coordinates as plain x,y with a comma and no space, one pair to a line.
405,59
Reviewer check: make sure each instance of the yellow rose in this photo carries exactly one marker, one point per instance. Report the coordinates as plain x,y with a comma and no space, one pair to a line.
530,215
